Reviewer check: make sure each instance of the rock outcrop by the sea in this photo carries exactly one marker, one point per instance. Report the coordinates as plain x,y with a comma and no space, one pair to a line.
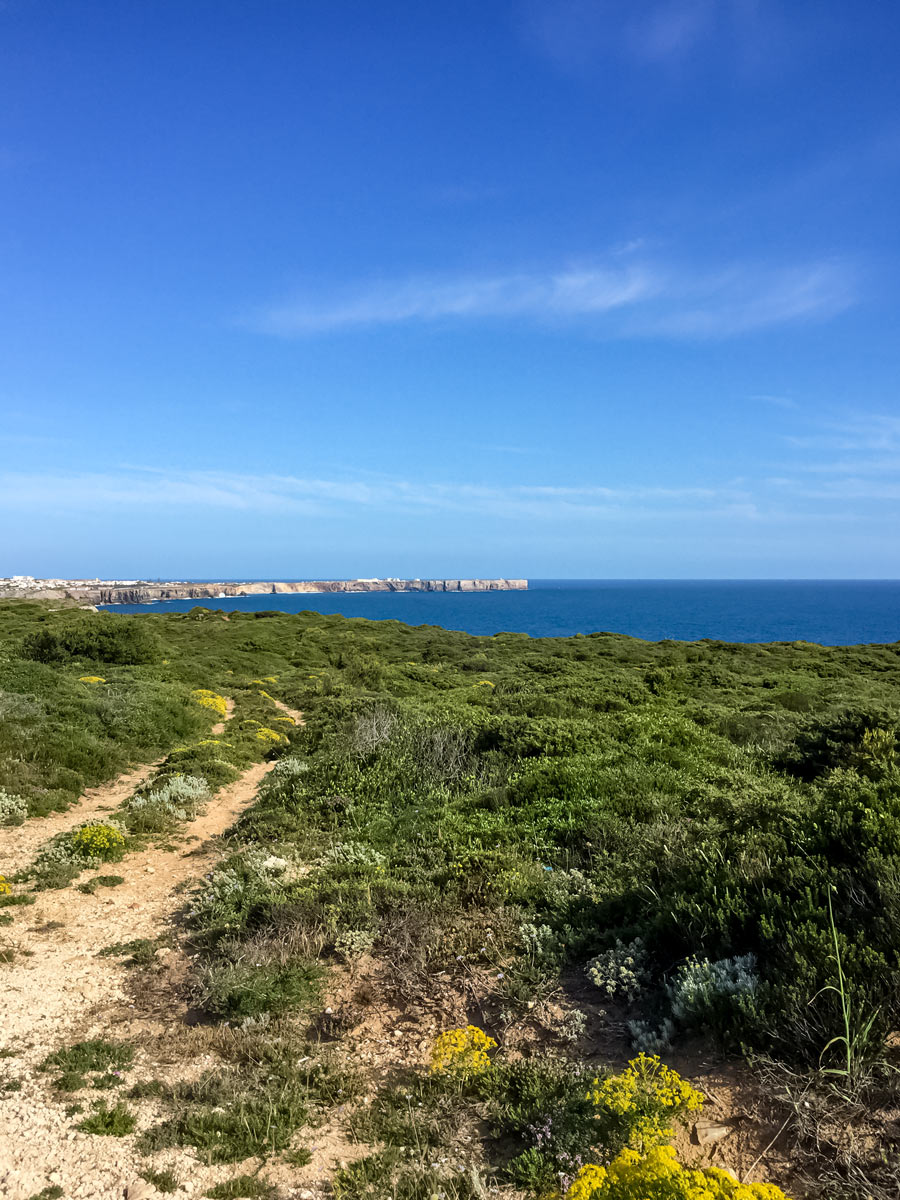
144,592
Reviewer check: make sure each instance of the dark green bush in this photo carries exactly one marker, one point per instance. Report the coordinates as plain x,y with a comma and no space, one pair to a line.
98,638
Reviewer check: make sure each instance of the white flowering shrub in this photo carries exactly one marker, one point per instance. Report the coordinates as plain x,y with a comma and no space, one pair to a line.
563,888
542,945
245,880
354,942
13,809
622,971
700,986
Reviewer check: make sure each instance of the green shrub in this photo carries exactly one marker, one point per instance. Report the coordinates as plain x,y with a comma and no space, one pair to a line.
99,637
117,1121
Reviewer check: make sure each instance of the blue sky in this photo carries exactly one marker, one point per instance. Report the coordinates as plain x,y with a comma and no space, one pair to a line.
528,287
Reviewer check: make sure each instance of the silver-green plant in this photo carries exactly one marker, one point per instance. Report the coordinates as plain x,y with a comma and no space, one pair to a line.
700,984
651,1039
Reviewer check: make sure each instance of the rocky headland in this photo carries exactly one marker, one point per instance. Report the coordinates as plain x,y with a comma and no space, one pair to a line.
139,591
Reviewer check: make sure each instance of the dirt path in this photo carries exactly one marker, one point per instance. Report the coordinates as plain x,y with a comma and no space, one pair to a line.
219,728
57,991
20,844
295,716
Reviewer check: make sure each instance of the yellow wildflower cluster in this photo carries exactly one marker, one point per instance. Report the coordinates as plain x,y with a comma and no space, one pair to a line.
98,841
658,1175
485,683
462,1051
272,736
211,700
5,888
649,1095
91,679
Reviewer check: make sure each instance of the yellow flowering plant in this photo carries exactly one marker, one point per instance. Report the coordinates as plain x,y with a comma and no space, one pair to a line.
91,679
5,888
98,841
658,1175
462,1052
211,700
645,1099
270,736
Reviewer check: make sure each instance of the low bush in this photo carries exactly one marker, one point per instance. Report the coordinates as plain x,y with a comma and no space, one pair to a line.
104,1121
13,809
98,638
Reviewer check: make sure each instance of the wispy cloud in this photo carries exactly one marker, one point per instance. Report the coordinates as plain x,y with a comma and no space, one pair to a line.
559,294
854,457
574,33
138,488
625,297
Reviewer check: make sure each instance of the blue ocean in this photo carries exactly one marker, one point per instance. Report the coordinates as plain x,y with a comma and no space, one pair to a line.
834,613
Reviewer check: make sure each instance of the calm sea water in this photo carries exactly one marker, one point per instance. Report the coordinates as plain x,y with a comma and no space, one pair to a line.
833,613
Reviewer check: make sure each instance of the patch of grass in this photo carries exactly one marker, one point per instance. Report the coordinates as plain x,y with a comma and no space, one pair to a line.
6,918
17,899
424,1113
52,1192
391,1173
242,1186
145,1088
255,1104
70,1081
11,1085
163,1181
299,1157
250,1126
117,1121
55,876
89,887
101,1058
245,989
140,952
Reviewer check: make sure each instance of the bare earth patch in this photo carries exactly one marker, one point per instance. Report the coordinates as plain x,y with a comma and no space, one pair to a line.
57,991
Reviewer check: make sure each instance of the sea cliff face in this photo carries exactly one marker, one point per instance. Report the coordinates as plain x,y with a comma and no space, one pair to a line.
141,592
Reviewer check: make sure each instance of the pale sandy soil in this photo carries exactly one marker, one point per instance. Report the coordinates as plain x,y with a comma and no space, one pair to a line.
58,991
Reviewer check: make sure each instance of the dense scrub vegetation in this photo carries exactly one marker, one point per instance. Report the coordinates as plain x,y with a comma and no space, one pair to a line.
707,835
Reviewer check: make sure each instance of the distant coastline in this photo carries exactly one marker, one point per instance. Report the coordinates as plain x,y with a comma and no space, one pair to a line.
140,591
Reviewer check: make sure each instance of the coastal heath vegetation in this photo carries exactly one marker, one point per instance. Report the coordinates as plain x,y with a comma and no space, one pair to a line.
701,840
